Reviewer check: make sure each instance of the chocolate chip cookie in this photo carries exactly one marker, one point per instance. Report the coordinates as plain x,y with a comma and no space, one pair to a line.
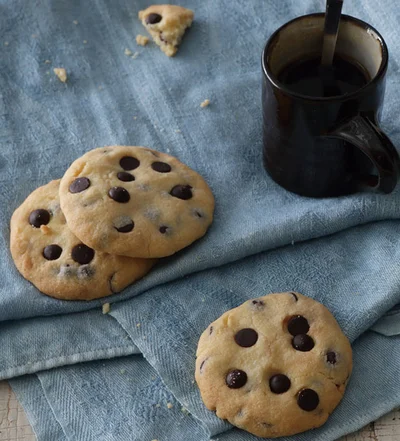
47,253
135,201
167,25
274,366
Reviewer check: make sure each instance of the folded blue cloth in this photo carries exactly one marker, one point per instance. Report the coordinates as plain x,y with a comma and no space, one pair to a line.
263,239
125,399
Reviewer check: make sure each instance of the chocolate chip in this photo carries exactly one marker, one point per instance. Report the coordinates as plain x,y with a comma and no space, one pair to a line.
259,304
153,18
202,364
236,379
82,254
308,400
80,184
303,342
182,192
163,229
39,217
161,167
198,214
119,194
331,357
298,325
129,163
279,384
125,177
52,252
246,337
295,296
211,329
126,228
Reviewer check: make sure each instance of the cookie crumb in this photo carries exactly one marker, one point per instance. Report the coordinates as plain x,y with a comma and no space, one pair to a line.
106,308
6,43
178,131
154,440
75,22
141,40
47,61
122,371
158,405
170,405
205,103
45,229
61,73
135,55
127,52
138,325
84,41
184,410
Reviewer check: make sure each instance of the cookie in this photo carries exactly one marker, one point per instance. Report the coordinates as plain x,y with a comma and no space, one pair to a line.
167,25
48,254
274,366
136,202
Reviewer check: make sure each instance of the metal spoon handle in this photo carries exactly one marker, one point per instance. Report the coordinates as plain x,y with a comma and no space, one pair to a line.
332,20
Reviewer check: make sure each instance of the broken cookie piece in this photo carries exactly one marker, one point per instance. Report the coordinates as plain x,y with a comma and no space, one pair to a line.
141,40
167,25
61,74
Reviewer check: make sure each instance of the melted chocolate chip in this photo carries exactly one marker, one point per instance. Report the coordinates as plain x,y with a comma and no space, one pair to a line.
126,228
163,229
303,342
279,384
80,184
295,296
153,18
39,217
246,337
125,177
236,379
331,357
82,254
129,163
161,167
298,325
182,192
85,272
119,194
52,252
308,400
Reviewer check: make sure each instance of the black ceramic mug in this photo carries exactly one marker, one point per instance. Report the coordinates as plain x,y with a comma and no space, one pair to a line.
326,146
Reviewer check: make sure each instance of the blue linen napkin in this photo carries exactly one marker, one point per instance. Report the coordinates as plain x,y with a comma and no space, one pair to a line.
151,100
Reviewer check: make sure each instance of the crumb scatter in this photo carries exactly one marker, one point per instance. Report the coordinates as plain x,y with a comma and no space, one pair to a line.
61,74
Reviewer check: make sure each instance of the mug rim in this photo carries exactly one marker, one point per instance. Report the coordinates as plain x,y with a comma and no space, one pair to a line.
281,86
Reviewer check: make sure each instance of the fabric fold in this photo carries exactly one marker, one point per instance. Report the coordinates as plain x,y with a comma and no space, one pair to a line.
125,398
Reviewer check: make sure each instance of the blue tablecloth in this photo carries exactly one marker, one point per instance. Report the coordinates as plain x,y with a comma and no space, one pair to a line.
344,252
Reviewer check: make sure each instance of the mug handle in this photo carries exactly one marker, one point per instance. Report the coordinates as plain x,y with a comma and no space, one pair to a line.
369,138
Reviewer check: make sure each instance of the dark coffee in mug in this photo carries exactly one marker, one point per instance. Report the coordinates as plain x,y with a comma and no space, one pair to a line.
321,132
308,77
